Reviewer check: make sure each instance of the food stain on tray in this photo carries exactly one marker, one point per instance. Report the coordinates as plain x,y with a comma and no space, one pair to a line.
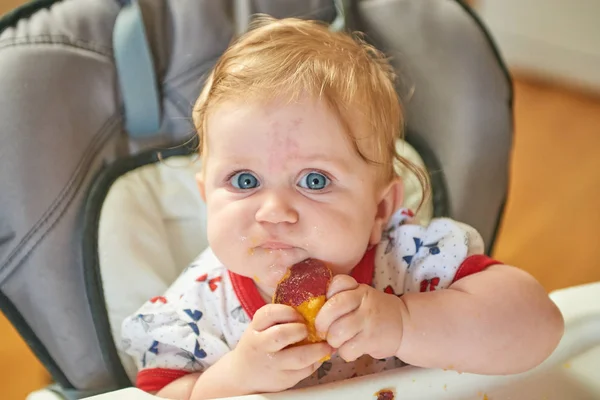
385,394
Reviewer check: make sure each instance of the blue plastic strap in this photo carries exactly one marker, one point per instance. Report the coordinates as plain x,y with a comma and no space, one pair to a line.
136,75
339,23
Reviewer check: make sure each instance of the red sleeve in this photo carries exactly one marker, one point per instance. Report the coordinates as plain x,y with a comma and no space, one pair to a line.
154,379
473,264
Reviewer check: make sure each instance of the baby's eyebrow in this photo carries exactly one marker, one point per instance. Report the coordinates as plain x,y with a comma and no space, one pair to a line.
321,159
316,157
238,160
328,159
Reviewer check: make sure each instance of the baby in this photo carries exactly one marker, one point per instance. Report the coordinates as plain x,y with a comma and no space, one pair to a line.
298,128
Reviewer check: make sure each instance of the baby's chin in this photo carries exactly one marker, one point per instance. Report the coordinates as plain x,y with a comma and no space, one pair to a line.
271,277
264,273
269,266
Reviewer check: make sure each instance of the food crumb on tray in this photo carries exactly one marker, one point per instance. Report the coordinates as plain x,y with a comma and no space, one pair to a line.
385,394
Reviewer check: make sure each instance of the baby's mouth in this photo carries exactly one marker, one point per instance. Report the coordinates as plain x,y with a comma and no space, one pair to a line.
274,245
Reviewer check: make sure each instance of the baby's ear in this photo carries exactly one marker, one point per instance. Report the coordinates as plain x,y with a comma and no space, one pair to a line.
200,183
390,201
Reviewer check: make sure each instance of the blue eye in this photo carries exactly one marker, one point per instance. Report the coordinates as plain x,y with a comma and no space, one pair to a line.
244,181
314,181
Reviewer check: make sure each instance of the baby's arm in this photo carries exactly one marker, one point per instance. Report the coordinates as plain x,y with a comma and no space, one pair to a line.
498,321
261,362
453,313
215,382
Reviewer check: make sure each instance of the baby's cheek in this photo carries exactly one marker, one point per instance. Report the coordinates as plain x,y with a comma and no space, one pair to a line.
347,255
223,240
213,234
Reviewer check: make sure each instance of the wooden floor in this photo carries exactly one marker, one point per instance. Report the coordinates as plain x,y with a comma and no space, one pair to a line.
552,221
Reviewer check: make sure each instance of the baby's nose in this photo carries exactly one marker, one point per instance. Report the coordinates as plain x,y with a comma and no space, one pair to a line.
276,208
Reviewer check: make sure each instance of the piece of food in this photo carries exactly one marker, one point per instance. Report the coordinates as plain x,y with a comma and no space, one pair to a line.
304,287
385,394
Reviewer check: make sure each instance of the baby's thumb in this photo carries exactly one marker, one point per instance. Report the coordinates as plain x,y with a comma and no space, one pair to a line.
341,283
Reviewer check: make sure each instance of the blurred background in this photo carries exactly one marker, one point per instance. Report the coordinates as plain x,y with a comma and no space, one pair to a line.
551,225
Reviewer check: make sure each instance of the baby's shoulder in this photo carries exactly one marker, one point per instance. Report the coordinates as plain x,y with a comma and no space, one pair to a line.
440,234
207,261
412,257
206,268
203,287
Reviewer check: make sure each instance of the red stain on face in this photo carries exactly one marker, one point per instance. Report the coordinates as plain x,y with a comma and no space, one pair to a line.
283,148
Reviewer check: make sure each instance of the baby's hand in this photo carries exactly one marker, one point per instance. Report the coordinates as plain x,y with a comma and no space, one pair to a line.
261,360
358,319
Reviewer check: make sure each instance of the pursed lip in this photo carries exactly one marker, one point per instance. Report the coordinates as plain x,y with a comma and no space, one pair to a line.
275,245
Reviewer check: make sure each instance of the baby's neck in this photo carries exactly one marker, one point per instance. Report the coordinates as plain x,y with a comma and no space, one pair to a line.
265,293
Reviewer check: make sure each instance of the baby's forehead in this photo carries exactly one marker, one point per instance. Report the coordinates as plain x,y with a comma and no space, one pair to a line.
279,116
274,121
306,129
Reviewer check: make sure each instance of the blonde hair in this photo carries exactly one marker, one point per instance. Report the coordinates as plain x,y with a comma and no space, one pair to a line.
293,57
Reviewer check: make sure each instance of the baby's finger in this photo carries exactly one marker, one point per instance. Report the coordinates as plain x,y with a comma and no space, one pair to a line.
278,337
340,283
352,349
301,357
306,372
273,314
335,308
344,329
